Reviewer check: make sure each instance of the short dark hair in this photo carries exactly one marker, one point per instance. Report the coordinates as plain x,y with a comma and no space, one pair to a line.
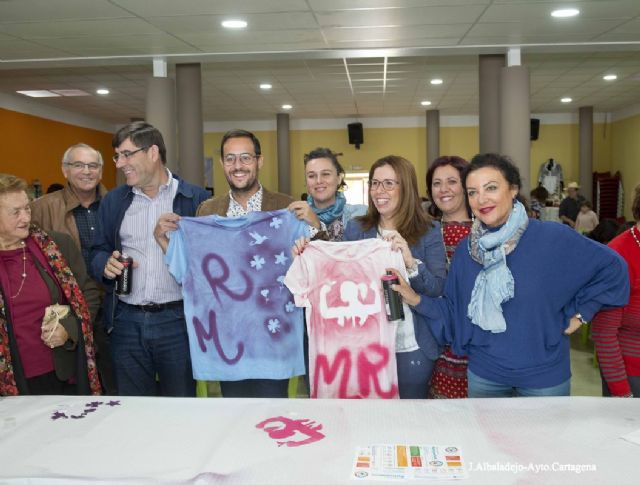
241,134
635,205
502,163
141,134
540,193
586,203
54,187
321,152
605,231
456,162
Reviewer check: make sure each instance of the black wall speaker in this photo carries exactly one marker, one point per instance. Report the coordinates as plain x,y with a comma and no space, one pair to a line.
356,135
535,128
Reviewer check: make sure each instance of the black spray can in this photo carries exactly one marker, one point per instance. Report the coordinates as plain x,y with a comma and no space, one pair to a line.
123,280
392,299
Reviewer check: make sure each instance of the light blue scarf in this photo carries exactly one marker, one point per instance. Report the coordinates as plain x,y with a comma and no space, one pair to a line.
331,213
494,284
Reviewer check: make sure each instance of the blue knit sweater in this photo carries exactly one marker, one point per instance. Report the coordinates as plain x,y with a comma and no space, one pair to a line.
557,273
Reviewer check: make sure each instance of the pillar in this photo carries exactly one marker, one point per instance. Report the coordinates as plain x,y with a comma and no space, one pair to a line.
489,102
433,135
190,124
515,124
585,152
161,109
284,158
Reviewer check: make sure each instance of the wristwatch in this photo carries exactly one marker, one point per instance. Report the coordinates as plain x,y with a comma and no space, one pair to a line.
581,318
413,270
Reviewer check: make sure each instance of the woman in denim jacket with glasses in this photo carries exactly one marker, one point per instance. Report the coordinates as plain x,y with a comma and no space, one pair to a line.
396,215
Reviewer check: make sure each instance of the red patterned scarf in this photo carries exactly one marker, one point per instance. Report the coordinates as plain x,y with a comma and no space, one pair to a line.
72,292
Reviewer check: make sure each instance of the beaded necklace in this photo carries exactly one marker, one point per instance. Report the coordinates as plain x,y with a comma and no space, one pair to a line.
635,238
24,270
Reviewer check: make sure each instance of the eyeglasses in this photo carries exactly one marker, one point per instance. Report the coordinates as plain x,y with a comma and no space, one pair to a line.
127,154
245,158
387,184
93,166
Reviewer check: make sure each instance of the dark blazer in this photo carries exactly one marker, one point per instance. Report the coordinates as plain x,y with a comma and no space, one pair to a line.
430,279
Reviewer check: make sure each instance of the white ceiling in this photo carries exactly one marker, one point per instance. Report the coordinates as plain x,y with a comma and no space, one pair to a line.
328,58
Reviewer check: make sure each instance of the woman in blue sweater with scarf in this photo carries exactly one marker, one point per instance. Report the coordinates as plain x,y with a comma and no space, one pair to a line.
517,289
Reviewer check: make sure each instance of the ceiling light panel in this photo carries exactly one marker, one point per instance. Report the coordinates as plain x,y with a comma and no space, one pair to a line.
563,13
39,93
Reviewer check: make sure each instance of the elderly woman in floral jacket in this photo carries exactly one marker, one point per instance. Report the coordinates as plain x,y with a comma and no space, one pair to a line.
46,305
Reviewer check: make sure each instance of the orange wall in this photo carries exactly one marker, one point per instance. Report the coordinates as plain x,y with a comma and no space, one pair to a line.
32,147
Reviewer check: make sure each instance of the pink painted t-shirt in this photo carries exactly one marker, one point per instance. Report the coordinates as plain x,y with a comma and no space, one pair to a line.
351,343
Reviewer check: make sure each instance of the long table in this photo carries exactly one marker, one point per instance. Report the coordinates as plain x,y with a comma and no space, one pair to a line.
57,439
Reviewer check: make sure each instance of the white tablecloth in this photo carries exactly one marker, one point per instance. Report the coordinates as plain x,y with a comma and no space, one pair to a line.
202,441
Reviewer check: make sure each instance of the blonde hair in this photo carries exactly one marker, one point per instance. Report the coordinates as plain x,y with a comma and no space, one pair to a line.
10,184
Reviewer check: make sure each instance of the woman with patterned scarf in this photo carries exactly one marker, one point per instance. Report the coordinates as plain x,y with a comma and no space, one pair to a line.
326,202
517,290
46,305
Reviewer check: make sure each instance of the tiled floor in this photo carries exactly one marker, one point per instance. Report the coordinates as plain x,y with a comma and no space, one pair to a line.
585,380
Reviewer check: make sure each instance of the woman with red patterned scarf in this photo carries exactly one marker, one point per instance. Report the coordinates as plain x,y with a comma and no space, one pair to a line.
47,302
444,184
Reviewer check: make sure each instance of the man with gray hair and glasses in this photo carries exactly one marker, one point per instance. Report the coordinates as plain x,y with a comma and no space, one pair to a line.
74,211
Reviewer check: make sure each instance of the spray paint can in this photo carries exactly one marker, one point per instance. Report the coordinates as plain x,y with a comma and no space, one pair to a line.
123,280
392,299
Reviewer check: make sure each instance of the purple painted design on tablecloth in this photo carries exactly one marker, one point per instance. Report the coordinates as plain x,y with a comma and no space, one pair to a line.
90,407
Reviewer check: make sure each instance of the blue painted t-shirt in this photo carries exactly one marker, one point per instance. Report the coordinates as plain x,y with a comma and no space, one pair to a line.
241,318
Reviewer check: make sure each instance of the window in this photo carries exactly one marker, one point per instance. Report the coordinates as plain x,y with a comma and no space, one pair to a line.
357,191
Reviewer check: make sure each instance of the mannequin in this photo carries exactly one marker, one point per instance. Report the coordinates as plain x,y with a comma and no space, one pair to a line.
550,177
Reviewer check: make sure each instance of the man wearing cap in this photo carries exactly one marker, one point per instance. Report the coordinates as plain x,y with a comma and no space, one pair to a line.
570,205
